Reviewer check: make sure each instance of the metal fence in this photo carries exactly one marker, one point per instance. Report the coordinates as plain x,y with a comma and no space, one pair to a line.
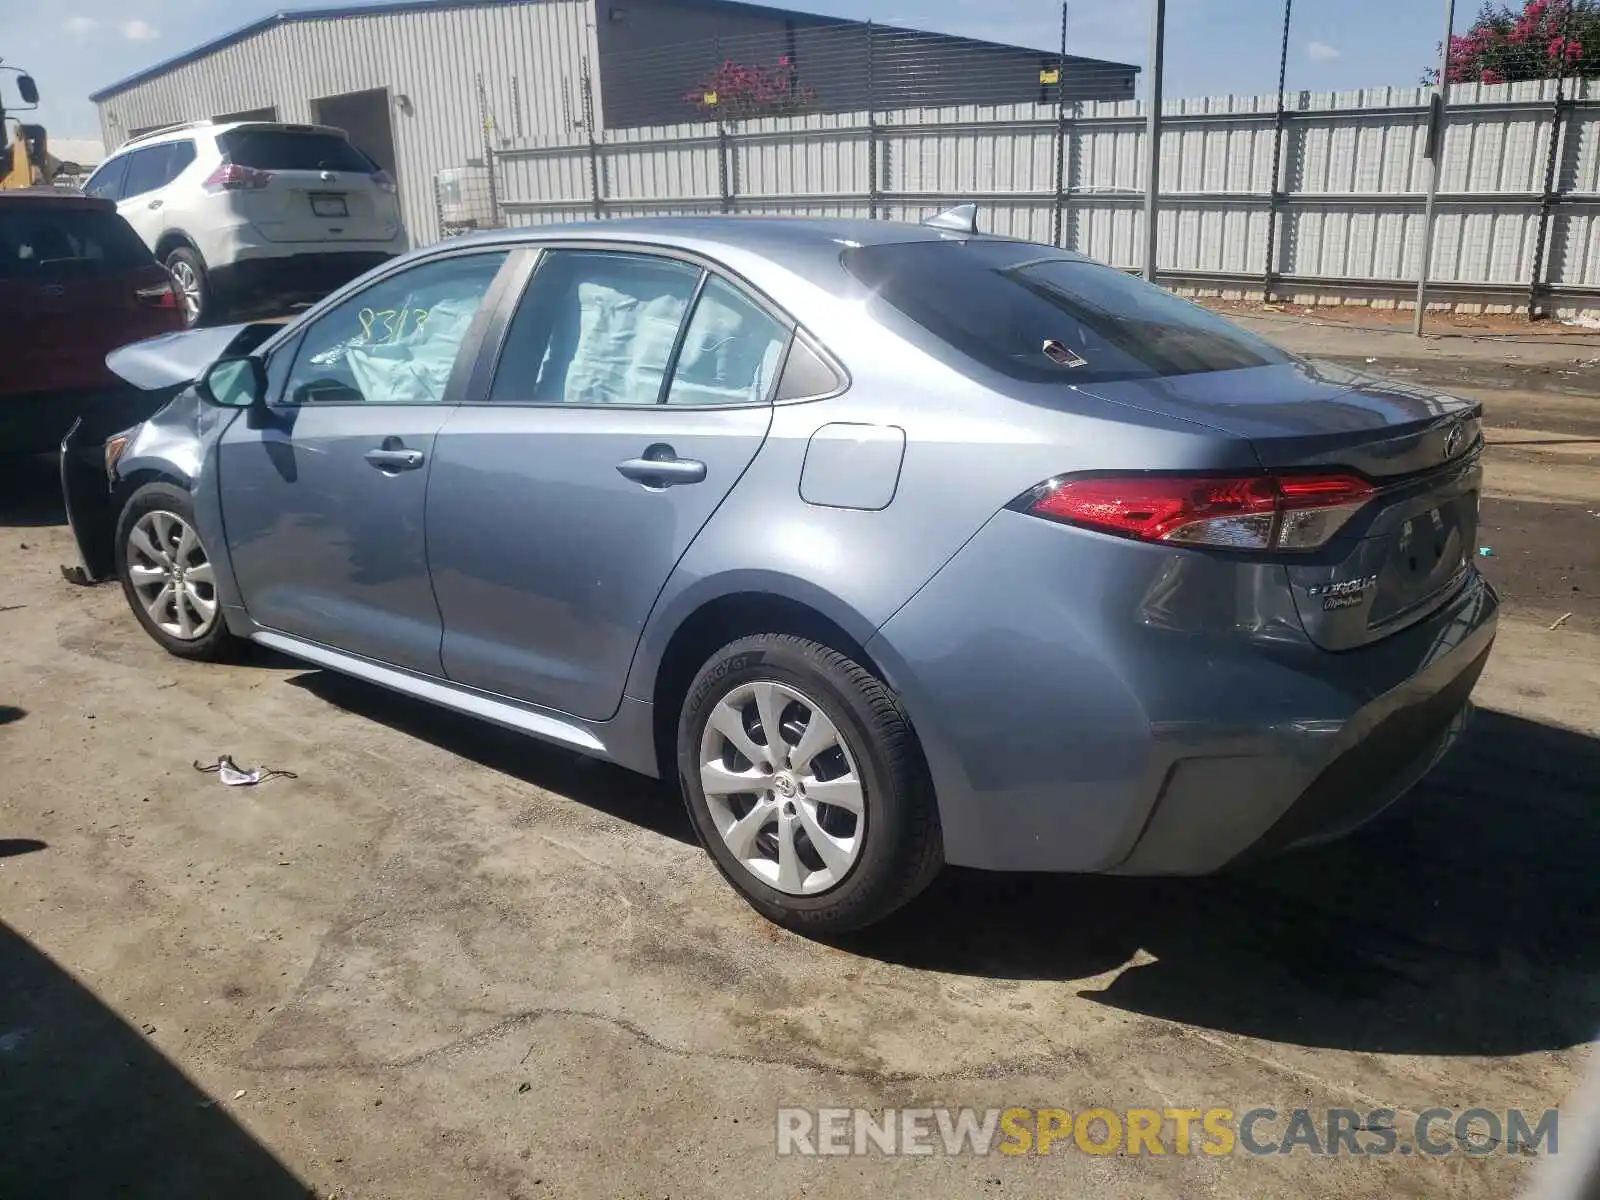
1313,196
1347,191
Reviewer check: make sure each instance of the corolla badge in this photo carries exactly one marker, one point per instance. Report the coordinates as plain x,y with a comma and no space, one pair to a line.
1352,593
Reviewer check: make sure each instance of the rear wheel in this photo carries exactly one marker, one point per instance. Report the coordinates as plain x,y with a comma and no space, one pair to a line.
168,576
806,784
193,285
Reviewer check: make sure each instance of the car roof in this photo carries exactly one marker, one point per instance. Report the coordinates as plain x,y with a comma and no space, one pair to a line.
189,129
781,239
48,197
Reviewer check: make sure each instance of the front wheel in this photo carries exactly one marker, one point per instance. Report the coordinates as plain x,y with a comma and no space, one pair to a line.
168,576
806,784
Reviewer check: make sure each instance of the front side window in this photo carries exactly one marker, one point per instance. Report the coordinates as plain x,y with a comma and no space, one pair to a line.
396,341
107,181
1041,315
594,328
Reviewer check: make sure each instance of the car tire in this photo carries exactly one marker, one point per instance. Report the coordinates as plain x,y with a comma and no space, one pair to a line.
168,576
193,284
879,823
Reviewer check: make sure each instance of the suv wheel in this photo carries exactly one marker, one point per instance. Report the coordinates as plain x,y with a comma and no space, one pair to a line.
806,784
193,285
167,576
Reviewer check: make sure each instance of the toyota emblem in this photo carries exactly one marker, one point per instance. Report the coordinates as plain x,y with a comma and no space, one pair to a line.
1452,444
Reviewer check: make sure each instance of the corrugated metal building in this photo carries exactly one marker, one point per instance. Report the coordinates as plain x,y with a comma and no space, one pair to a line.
426,85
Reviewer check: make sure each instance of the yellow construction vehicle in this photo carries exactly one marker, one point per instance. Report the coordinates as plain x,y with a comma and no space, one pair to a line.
25,159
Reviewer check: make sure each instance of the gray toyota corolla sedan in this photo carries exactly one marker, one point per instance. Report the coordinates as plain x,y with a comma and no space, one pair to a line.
895,545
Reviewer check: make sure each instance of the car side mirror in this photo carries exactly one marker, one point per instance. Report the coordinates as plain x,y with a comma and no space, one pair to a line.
27,89
234,383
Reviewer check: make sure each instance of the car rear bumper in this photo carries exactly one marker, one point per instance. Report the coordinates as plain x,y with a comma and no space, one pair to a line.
259,284
1092,704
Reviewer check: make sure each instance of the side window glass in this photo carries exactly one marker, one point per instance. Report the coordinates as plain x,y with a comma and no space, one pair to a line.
731,352
107,181
396,341
594,328
146,171
179,156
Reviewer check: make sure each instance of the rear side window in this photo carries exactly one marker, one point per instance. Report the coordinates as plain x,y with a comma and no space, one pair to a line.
1039,315
291,150
179,157
594,327
49,243
147,170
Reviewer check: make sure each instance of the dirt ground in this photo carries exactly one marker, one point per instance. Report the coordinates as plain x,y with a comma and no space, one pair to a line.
445,961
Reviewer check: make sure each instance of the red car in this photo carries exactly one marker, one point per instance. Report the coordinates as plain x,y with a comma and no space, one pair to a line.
76,282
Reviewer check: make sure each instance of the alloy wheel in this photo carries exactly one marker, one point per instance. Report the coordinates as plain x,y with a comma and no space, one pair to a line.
782,788
171,575
187,280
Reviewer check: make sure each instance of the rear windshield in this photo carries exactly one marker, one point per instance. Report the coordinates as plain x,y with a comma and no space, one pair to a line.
49,242
1037,315
290,150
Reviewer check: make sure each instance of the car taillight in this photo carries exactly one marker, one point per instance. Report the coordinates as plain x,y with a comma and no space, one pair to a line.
1234,512
231,177
385,182
158,295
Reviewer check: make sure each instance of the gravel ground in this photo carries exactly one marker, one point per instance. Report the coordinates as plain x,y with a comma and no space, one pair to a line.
447,962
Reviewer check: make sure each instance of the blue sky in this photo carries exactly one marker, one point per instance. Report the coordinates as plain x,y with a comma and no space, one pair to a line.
73,47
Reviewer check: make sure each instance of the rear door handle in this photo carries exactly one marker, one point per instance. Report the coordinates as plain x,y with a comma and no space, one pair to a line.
662,472
155,204
391,461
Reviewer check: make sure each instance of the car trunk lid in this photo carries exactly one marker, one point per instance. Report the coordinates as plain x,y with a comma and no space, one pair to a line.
1409,549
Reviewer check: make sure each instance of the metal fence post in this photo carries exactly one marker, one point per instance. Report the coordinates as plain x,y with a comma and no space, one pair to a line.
1435,154
722,142
1158,37
1550,196
1061,132
872,126
596,193
1269,268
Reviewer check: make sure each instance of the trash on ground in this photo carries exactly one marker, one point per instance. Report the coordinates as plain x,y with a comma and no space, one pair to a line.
234,775
1485,551
239,1095
1560,621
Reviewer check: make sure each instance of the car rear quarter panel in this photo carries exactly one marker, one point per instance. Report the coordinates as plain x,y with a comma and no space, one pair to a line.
973,442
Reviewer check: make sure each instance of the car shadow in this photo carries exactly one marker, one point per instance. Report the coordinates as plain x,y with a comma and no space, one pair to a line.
647,803
10,713
1462,922
93,1108
30,492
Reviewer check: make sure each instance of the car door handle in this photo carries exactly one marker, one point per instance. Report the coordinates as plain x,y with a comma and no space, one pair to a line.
155,204
390,460
663,472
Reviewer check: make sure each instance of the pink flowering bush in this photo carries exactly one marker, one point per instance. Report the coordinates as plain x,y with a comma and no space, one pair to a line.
734,91
1545,39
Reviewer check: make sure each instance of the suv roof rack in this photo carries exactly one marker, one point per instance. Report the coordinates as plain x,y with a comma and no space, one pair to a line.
163,129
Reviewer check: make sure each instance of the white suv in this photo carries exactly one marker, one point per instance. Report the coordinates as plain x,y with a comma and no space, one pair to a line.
251,216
